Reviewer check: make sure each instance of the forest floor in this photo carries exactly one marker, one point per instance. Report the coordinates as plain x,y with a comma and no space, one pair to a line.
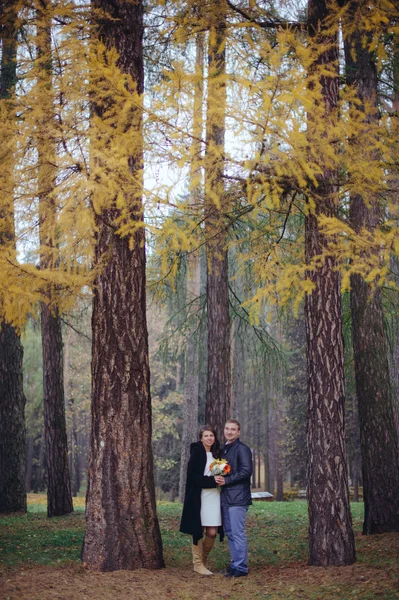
40,560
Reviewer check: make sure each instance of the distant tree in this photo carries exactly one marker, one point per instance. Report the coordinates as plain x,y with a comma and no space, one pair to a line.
378,436
294,389
193,283
59,496
33,386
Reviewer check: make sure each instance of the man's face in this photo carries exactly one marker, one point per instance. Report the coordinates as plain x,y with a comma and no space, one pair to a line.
231,432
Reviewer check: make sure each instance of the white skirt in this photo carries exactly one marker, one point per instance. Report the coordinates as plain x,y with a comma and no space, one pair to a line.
211,513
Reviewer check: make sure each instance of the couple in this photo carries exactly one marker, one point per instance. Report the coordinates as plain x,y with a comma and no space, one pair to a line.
212,500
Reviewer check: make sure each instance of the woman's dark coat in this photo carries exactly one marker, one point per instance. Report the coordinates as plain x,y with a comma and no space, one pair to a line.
196,482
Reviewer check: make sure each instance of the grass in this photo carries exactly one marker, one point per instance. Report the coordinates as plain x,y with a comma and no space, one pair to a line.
277,534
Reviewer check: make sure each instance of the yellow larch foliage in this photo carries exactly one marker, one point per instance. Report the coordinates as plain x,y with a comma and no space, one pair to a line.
271,162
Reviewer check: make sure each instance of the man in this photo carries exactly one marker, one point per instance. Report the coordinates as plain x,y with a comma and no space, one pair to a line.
236,497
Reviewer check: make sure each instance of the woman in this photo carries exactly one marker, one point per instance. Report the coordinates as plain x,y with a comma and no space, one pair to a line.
201,507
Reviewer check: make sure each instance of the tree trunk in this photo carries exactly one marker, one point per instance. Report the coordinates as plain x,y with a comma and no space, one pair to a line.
12,423
122,525
266,435
191,379
40,470
355,470
272,439
254,457
74,467
239,406
395,186
279,452
59,497
74,462
218,402
378,437
331,539
29,464
259,452
12,399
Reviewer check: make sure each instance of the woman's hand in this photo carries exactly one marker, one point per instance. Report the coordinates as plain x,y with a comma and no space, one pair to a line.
219,480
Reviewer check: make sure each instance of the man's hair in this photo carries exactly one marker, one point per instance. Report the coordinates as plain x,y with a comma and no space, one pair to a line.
235,422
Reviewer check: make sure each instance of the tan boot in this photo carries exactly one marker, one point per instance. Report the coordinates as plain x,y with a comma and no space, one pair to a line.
206,548
197,559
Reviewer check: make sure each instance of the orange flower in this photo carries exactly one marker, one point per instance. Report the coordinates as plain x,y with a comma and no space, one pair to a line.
226,470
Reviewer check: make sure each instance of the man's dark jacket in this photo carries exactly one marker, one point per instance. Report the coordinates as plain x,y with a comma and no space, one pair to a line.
237,488
196,482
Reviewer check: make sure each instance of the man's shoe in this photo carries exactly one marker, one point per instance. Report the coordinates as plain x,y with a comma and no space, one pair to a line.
226,570
236,573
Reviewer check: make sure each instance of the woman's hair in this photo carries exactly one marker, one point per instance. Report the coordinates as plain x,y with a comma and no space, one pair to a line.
215,446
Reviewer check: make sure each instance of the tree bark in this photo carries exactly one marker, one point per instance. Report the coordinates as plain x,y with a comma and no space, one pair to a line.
378,438
331,539
218,395
122,525
12,398
12,423
59,497
191,379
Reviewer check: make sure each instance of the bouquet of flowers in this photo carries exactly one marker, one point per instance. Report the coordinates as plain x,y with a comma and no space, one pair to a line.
220,466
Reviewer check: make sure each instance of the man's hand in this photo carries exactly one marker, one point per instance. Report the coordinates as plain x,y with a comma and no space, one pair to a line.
219,480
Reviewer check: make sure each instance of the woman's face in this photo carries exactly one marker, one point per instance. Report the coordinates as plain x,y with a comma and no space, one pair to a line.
207,438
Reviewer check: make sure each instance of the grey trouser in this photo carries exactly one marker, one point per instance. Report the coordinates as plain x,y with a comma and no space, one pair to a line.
234,518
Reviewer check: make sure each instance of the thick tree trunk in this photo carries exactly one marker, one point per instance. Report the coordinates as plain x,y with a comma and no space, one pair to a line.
191,379
59,497
331,539
378,437
122,525
218,400
12,399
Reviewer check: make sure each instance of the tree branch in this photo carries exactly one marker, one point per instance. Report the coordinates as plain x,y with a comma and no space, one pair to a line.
268,24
